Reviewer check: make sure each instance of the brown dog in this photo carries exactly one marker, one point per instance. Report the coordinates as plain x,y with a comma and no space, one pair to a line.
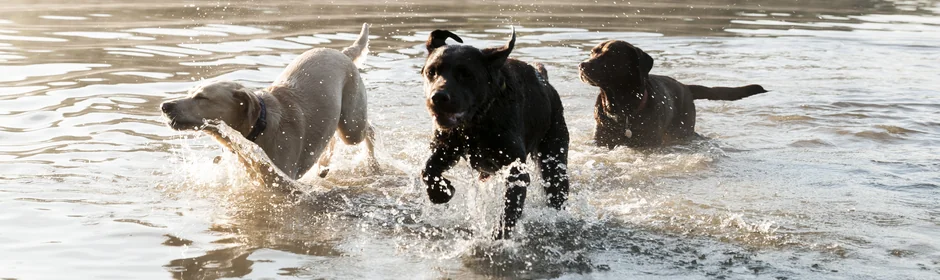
636,109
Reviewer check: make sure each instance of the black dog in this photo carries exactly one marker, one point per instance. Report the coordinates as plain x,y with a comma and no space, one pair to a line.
637,109
494,111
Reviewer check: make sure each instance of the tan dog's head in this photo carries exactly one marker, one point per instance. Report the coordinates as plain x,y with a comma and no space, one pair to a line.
616,63
227,101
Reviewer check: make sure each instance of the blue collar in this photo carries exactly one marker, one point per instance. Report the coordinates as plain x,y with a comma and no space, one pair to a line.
260,124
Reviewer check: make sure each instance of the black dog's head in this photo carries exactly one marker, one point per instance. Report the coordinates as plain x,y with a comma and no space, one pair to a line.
459,79
616,63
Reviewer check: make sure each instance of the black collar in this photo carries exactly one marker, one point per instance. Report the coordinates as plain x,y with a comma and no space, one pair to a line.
260,124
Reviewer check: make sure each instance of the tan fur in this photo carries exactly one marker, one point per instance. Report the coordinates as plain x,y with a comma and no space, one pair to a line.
319,94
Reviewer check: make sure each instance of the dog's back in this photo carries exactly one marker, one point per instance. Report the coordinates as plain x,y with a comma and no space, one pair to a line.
324,94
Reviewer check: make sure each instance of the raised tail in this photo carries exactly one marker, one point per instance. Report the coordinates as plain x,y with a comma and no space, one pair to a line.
359,49
725,93
541,70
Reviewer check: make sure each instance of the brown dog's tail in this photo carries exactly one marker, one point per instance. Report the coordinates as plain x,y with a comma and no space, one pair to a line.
357,52
725,93
542,71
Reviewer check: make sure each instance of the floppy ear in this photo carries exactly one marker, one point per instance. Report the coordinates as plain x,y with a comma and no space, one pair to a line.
497,56
248,104
437,38
646,61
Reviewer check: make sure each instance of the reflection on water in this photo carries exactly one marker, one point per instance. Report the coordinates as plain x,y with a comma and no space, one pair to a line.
833,174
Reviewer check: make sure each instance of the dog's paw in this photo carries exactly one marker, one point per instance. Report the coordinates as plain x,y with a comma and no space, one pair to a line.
440,192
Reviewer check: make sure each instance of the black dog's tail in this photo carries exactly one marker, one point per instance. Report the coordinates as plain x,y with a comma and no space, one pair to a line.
725,93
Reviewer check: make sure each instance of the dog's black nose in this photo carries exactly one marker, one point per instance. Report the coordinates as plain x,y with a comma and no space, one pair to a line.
440,98
166,107
582,65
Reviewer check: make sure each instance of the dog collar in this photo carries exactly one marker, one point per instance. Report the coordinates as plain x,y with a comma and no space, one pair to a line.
260,124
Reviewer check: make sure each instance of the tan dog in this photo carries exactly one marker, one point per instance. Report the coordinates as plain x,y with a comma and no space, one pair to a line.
294,120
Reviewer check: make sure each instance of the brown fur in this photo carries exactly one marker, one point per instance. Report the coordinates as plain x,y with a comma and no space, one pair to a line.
625,117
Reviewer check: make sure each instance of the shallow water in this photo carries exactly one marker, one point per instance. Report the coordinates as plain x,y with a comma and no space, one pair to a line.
833,174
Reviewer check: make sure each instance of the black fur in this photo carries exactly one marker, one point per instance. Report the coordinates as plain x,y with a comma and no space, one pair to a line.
493,111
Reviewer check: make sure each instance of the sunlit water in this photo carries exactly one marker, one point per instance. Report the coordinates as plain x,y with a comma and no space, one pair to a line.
833,174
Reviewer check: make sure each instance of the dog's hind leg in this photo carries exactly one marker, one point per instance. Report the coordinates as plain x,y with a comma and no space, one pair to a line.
354,126
323,163
517,183
370,146
553,164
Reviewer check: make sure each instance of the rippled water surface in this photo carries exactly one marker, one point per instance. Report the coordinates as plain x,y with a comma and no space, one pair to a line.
834,174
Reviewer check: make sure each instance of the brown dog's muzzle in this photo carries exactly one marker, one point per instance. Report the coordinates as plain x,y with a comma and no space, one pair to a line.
585,70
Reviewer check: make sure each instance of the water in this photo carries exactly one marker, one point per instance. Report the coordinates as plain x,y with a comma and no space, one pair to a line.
833,174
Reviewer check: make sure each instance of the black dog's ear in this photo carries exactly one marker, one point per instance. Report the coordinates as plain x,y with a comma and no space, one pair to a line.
437,38
646,61
497,56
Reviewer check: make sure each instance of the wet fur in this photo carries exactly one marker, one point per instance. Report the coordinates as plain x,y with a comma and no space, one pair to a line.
621,71
493,111
318,95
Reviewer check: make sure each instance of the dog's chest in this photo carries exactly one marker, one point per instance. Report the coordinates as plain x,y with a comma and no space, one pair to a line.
488,155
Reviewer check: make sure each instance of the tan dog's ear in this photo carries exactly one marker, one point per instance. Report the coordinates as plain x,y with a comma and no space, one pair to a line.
645,60
248,103
498,56
437,39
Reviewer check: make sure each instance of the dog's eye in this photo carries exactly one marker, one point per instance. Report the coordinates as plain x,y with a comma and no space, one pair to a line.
432,73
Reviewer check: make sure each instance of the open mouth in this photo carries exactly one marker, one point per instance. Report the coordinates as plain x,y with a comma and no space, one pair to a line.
448,120
176,124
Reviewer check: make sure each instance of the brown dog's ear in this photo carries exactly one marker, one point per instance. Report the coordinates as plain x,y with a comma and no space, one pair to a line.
646,61
437,38
497,56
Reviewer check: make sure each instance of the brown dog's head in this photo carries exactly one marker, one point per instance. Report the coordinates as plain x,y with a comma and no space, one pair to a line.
616,63
458,79
222,100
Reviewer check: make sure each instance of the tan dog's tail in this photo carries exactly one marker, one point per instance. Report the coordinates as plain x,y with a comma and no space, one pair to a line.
725,93
359,49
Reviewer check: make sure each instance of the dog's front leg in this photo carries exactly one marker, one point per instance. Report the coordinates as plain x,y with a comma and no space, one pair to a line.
446,152
517,183
252,157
